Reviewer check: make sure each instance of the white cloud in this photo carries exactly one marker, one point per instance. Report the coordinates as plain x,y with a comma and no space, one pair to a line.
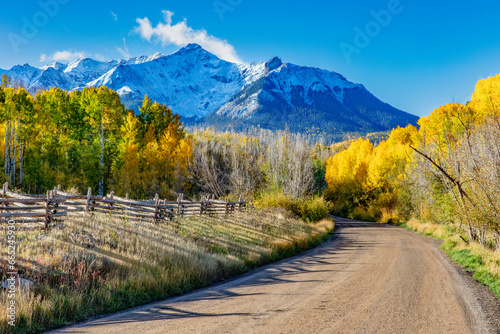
63,56
115,16
181,34
124,52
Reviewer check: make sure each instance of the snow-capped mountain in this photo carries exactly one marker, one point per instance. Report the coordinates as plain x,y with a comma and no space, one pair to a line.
74,75
192,81
307,100
292,85
199,85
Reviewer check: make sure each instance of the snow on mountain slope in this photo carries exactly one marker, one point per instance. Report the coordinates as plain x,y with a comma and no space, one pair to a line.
56,66
24,74
142,59
289,76
51,77
290,82
69,76
192,81
306,100
85,70
253,72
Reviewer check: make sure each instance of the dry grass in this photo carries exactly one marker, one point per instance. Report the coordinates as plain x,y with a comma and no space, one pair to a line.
102,264
482,260
434,230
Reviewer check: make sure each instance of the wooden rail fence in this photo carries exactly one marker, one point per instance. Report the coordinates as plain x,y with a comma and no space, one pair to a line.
56,206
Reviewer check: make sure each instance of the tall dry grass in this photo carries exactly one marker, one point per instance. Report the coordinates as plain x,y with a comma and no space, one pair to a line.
438,231
102,264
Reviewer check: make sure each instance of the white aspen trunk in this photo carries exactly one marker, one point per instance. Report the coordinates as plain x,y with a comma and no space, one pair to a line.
12,128
14,151
21,162
6,163
101,160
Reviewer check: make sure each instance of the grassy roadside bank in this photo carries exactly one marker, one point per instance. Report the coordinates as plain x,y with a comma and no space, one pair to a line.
481,261
103,265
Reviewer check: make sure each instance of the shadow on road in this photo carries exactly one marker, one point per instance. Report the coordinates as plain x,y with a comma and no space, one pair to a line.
318,260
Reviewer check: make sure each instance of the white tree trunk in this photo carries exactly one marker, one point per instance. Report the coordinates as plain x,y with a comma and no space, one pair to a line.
14,151
101,160
21,162
6,163
11,136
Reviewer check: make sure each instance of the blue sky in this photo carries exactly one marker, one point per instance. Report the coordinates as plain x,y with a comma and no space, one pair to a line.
417,56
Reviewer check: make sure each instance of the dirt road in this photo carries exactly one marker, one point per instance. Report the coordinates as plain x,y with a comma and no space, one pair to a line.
368,279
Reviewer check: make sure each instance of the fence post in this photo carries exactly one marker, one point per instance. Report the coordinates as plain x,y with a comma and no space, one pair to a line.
3,197
164,210
179,205
4,193
227,205
157,208
87,203
47,211
111,205
201,205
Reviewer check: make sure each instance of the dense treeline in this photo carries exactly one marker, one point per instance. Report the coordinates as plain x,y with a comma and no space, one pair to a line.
448,170
87,138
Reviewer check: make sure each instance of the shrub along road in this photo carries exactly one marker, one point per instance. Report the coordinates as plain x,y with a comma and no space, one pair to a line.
368,278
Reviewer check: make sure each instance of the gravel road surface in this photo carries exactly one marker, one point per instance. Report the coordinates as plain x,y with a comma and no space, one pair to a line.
369,278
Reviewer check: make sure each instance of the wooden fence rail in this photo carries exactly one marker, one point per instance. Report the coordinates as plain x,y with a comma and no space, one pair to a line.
57,206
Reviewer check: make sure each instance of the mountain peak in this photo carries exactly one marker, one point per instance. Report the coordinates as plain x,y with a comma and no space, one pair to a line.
193,46
56,65
157,54
273,64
